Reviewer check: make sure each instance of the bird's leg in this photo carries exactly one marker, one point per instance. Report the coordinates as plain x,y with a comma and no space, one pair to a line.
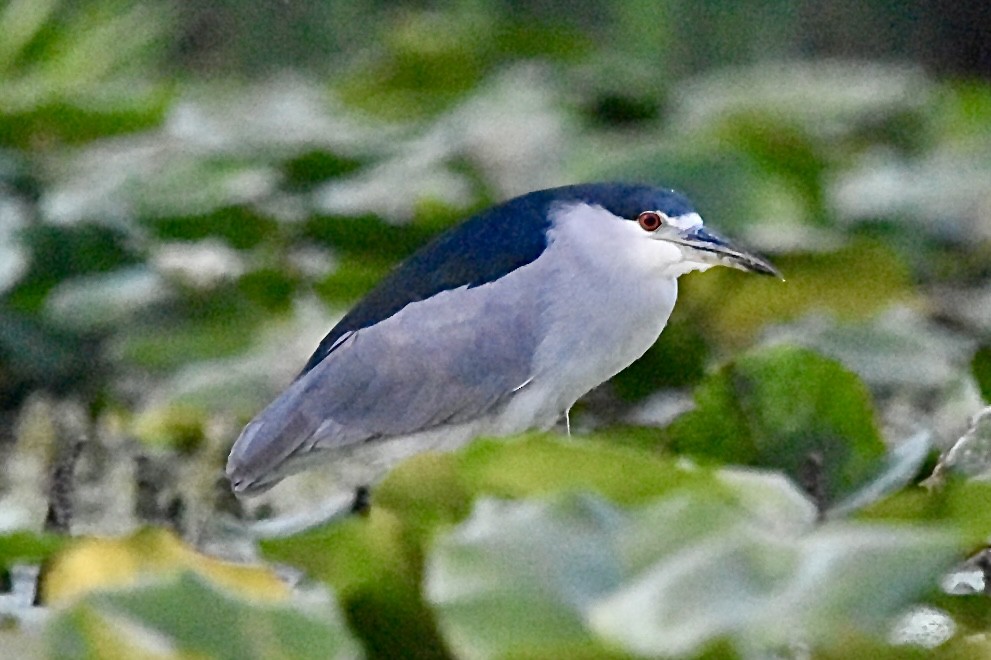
567,421
362,500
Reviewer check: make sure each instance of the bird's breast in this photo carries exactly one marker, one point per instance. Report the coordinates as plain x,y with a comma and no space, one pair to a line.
601,329
595,323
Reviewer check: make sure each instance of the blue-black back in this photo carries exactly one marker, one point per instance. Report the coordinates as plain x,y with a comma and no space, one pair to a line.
489,245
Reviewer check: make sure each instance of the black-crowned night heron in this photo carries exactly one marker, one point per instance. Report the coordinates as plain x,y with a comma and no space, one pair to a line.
496,327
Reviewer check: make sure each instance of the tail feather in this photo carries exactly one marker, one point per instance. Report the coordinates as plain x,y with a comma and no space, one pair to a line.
257,459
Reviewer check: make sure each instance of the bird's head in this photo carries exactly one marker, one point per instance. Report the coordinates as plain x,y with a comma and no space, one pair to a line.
663,228
697,245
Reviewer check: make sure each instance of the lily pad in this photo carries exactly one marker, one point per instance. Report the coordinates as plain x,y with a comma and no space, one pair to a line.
791,409
538,465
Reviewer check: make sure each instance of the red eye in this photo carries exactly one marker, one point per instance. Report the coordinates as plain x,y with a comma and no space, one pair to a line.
650,220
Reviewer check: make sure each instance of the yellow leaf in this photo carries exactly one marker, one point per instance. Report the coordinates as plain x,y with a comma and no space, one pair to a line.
107,563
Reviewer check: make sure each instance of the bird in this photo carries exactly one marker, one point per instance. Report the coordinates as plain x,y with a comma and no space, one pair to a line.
497,326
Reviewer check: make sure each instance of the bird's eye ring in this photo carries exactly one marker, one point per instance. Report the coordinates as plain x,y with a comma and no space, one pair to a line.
650,220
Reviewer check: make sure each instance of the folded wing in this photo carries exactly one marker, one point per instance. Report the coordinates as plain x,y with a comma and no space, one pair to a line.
452,358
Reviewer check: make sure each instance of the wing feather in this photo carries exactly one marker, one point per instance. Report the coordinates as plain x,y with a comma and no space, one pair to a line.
451,358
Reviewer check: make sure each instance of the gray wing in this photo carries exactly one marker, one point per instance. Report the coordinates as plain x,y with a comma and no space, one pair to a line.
448,359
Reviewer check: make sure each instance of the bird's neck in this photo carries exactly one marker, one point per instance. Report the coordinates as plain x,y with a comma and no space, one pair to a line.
599,314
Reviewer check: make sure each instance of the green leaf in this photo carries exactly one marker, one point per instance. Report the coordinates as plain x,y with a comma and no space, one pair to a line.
363,236
20,22
426,492
270,288
73,72
784,150
961,505
62,252
766,591
28,547
196,620
901,466
83,120
305,170
240,226
172,344
196,326
786,408
538,465
352,279
980,366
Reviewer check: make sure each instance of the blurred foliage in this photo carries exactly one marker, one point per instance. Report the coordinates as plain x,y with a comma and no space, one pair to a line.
74,73
376,571
431,59
855,281
981,366
959,504
377,565
790,409
26,547
187,617
172,246
100,563
667,579
548,572
970,455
